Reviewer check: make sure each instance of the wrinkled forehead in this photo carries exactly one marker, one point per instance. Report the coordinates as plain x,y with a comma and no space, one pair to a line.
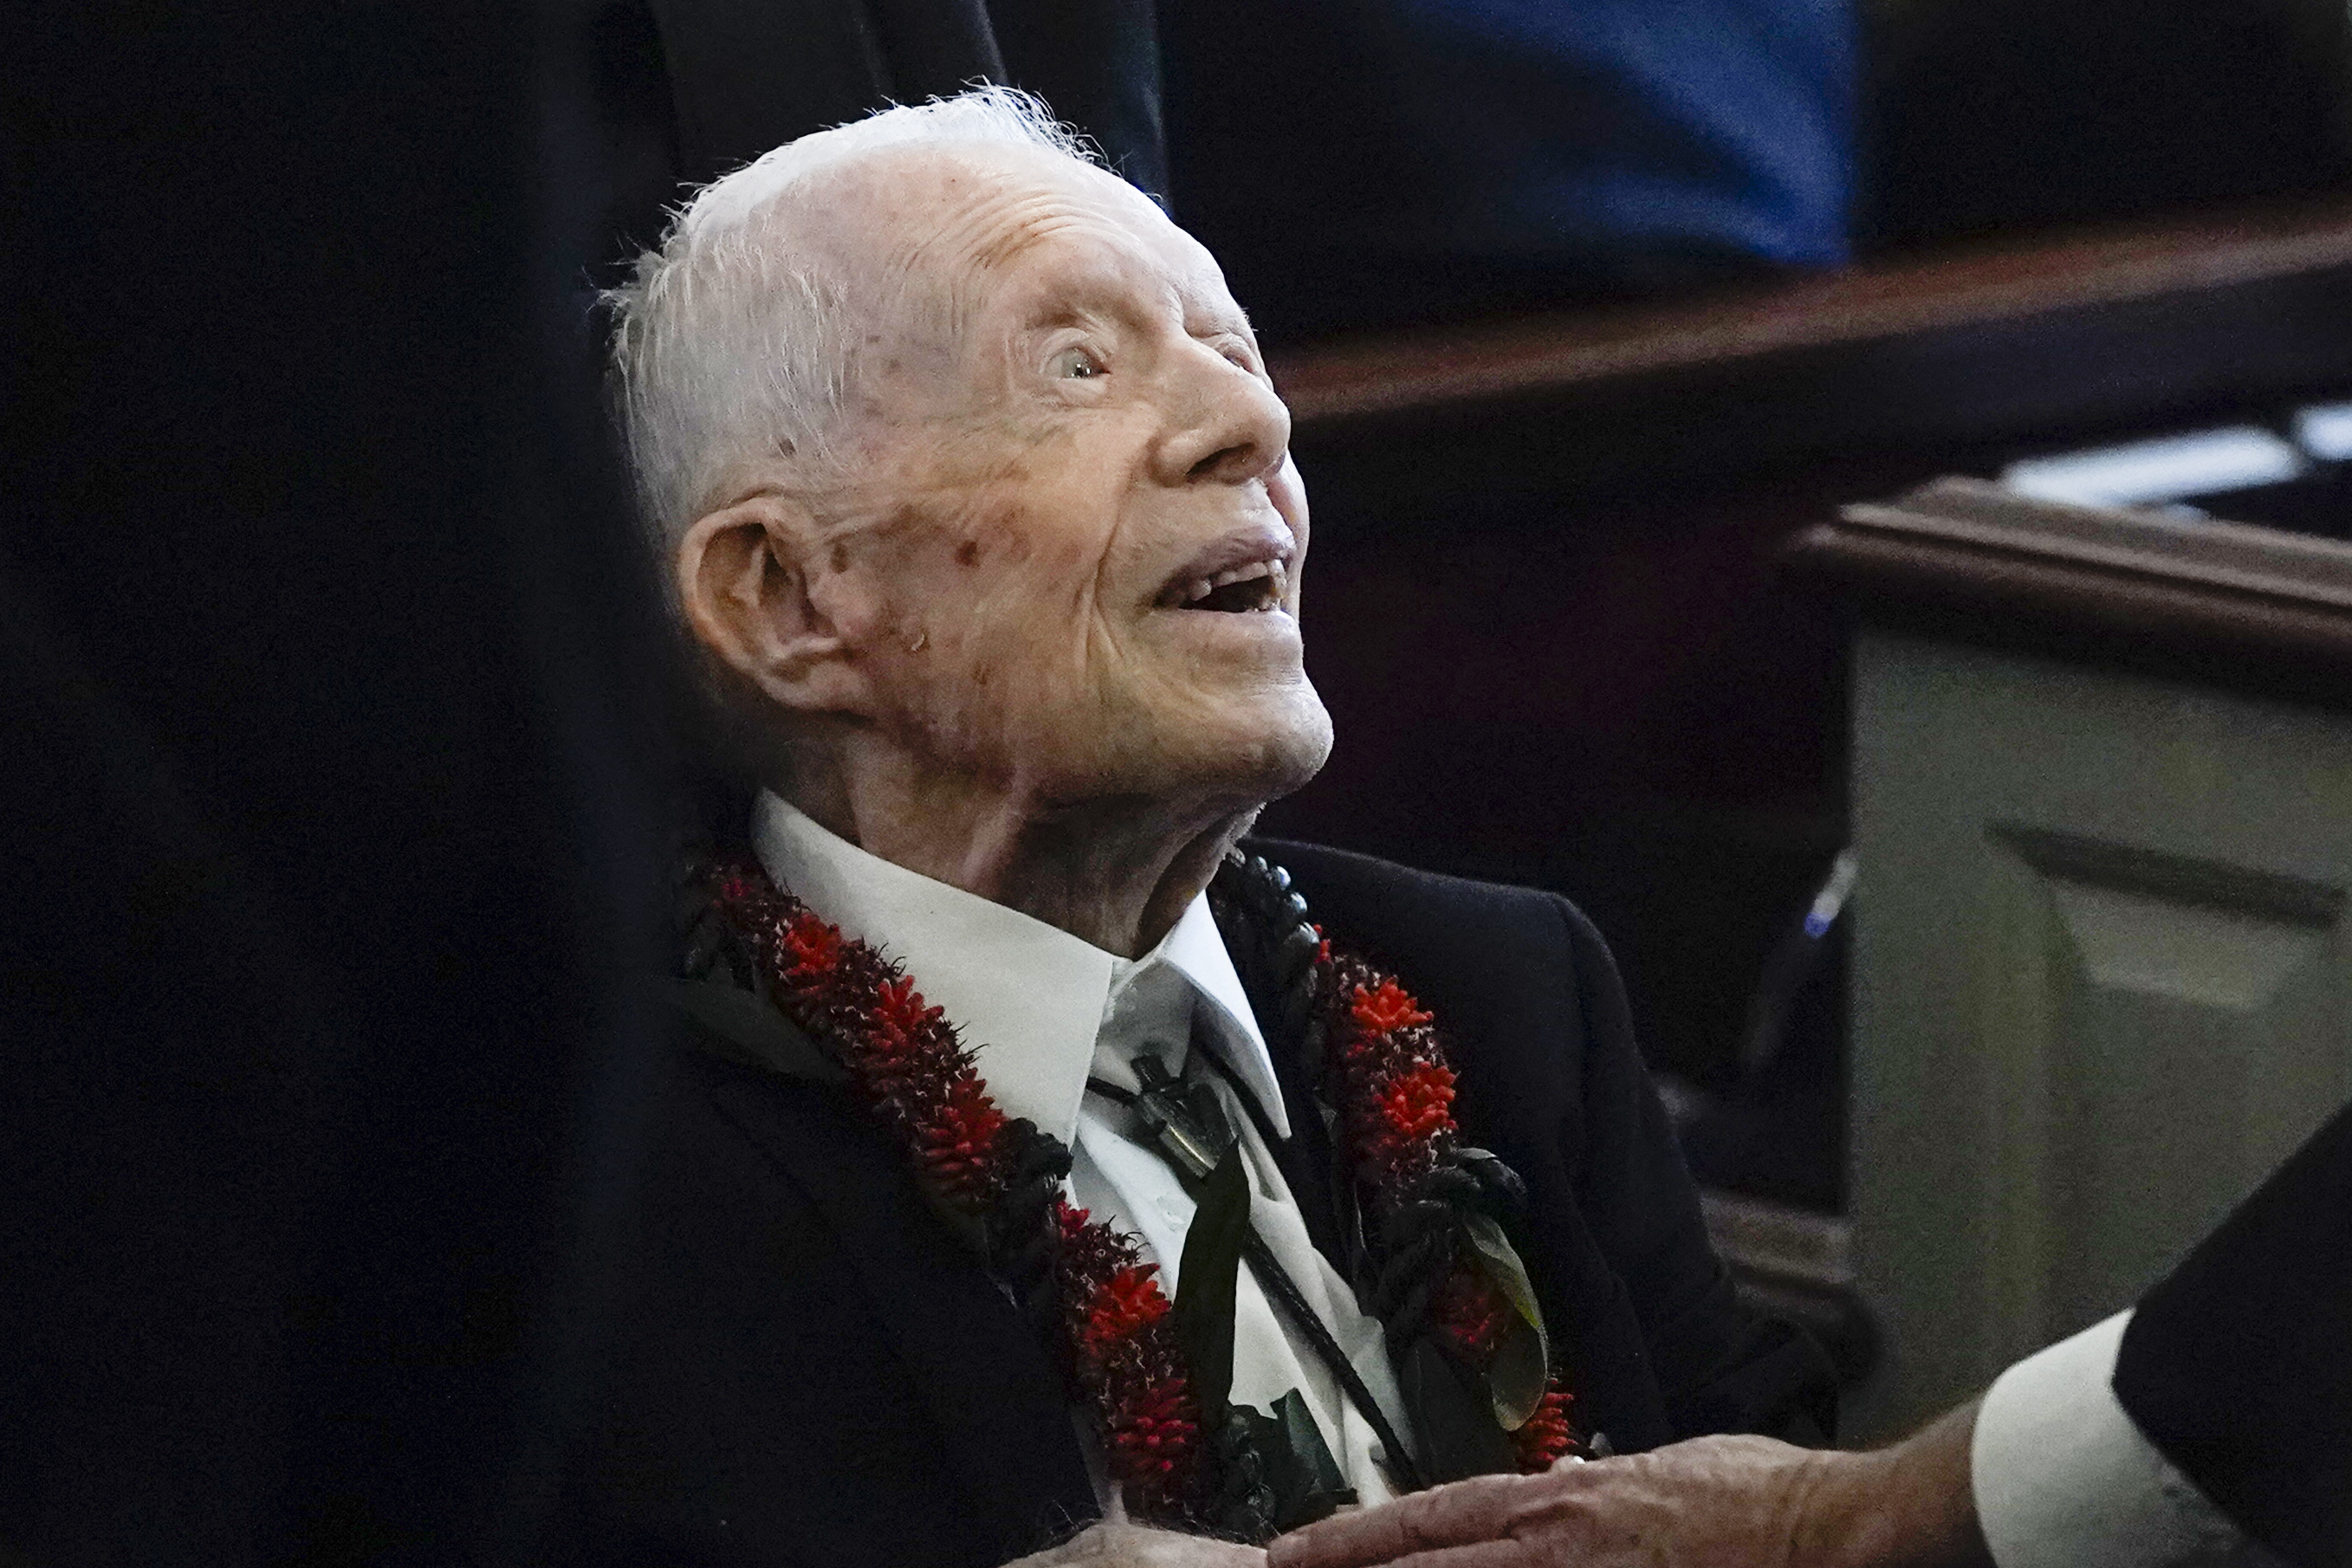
981,230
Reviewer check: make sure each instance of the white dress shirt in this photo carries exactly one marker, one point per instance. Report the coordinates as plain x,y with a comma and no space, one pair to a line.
1041,1010
2064,1479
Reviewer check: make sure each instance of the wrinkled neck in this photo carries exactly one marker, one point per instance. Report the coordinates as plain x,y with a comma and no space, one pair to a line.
1115,872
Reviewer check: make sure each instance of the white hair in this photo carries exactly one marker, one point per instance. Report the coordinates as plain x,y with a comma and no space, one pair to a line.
734,343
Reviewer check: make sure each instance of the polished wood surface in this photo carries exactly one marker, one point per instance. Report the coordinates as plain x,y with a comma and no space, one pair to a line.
2019,342
2220,602
1426,370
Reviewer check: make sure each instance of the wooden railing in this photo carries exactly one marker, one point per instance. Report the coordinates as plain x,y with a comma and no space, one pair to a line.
2049,332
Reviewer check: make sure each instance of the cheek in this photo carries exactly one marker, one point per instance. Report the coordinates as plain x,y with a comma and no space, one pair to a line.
974,636
1008,572
993,623
985,544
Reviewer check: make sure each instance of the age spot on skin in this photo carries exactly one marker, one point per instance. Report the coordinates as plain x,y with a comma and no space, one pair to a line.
909,520
968,552
1010,527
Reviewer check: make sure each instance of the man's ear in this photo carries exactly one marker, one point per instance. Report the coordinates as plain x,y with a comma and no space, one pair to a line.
743,578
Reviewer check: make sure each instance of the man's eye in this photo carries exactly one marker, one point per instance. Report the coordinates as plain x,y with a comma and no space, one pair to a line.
1076,365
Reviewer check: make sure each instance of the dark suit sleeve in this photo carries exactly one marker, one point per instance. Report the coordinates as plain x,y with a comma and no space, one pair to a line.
1721,1367
2238,1365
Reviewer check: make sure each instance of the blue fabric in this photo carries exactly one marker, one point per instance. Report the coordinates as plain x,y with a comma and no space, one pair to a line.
1446,149
1728,120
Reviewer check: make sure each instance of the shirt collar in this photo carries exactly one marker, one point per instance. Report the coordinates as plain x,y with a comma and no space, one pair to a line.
1195,949
1029,1000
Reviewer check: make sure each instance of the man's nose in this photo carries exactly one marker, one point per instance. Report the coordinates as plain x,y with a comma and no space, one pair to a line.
1229,427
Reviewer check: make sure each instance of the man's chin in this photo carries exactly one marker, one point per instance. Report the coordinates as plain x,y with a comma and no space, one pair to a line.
1305,751
1273,758
1230,754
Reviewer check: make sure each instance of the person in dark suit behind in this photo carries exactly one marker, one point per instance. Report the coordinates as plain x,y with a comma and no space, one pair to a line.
980,518
2209,1425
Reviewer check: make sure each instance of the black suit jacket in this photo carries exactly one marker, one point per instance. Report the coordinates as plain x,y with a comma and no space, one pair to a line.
808,1369
2238,1366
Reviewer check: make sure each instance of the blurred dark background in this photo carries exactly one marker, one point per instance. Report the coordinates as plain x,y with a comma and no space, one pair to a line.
335,735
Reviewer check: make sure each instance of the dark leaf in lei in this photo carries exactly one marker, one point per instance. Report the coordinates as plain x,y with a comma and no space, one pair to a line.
1278,1474
1512,1342
1309,1484
1210,1275
1454,1412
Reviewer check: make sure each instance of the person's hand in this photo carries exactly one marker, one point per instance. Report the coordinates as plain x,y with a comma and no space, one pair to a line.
1712,1502
1729,1501
1133,1546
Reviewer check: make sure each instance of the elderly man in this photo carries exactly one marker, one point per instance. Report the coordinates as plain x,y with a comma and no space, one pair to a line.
977,507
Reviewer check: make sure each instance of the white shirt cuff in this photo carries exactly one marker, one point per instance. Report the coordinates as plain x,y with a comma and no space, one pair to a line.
2064,1479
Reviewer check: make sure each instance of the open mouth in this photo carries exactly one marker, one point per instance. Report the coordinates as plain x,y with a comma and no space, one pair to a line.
1245,589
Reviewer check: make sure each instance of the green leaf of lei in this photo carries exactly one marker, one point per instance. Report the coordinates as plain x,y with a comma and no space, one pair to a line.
1522,1364
1304,1478
1206,1277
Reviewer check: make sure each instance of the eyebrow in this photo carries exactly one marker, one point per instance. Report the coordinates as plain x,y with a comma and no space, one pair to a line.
1077,292
1234,320
1074,278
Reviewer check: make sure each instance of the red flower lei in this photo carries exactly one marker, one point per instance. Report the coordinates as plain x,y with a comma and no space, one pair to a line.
1395,1090
914,1075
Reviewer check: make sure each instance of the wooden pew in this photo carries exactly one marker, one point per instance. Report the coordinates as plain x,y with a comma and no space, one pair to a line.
2103,978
